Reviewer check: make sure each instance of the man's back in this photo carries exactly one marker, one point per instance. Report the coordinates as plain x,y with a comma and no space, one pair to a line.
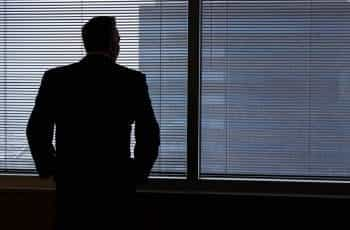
93,104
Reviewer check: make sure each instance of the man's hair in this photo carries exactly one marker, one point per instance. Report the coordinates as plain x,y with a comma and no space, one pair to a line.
98,32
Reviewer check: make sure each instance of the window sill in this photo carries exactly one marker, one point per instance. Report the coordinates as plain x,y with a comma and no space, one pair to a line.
25,182
203,187
267,188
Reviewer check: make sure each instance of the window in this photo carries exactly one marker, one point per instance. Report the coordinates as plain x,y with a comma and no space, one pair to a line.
243,89
38,35
275,89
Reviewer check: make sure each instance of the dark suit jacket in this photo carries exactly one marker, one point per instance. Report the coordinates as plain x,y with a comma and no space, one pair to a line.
92,105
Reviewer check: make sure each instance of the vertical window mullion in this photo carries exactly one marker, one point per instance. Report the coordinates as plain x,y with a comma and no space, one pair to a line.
193,150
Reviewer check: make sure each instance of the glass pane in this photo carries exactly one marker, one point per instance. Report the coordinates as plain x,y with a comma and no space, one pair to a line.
274,88
45,34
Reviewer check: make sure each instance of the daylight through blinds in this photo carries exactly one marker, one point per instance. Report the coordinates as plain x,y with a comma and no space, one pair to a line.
38,35
275,96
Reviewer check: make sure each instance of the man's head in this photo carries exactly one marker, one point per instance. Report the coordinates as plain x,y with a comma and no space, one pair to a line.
100,35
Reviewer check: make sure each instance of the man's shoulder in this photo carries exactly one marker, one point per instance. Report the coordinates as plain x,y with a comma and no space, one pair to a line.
138,75
61,69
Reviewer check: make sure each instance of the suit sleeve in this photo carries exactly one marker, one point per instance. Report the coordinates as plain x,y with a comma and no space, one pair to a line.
146,134
40,131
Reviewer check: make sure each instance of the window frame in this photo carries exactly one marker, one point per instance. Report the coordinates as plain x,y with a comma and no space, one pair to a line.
252,186
193,183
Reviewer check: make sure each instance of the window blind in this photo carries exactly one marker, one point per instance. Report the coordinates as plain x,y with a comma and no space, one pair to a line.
275,89
38,35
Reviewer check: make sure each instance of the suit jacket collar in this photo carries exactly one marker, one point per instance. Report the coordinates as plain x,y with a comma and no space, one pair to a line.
97,58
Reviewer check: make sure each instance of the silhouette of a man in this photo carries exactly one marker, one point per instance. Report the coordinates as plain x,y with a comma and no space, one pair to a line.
92,105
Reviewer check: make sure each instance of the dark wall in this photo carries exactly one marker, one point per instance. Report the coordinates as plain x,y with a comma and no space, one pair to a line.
36,210
195,211
26,209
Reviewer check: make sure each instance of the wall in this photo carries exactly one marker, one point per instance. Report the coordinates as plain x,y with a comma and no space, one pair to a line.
26,209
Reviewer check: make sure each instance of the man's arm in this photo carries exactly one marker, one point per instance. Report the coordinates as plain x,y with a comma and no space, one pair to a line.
146,134
40,132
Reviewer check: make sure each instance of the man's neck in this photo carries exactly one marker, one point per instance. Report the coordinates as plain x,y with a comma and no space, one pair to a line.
101,53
